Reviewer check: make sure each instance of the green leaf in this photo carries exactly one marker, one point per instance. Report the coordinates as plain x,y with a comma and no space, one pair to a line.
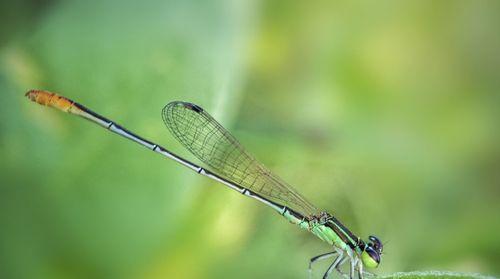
433,274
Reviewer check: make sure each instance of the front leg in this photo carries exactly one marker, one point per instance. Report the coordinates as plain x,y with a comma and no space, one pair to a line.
319,258
335,264
352,270
360,270
339,270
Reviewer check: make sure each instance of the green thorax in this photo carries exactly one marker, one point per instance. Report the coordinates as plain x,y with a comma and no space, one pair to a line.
322,230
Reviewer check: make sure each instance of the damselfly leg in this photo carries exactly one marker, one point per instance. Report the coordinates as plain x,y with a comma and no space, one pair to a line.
319,258
334,265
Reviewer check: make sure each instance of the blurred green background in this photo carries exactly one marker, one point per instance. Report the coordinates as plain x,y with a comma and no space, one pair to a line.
384,113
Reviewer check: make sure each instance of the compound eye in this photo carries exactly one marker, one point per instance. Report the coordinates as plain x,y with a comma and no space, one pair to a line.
376,243
373,254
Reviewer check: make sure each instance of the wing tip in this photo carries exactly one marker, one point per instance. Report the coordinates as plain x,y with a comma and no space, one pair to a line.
171,110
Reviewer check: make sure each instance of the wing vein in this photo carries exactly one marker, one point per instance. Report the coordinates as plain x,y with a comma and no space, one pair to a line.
205,138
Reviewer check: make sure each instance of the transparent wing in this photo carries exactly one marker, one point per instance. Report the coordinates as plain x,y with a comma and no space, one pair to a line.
215,146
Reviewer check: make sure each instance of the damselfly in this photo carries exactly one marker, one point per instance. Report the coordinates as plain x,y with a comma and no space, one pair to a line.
231,165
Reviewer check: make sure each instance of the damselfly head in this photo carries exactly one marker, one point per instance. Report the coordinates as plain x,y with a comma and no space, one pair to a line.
372,252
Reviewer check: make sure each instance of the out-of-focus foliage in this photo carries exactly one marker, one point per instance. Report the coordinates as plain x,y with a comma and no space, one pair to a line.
384,113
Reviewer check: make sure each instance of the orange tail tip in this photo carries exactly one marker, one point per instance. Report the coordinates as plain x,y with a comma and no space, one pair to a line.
40,96
32,94
50,99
